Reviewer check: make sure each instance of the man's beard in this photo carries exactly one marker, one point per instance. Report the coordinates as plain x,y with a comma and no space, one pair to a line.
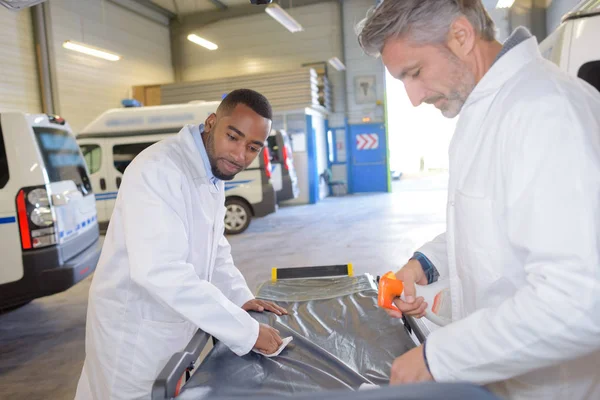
220,175
210,151
463,84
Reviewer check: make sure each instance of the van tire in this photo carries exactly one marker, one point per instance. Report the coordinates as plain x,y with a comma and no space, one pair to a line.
237,216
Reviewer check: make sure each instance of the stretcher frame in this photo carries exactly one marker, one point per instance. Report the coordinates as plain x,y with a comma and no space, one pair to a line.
170,380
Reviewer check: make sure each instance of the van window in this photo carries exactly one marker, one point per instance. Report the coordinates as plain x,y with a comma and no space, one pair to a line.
273,149
123,154
62,157
4,175
93,156
590,72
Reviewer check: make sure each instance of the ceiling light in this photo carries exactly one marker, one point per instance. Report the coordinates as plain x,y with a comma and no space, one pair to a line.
91,51
285,19
505,3
337,64
202,42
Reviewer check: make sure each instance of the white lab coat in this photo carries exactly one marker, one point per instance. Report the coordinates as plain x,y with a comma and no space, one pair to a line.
522,246
165,270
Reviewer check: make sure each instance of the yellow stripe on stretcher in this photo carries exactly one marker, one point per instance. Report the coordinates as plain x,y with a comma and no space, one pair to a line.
350,269
274,274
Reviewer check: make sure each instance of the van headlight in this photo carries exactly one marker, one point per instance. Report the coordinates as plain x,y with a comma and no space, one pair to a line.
38,198
42,216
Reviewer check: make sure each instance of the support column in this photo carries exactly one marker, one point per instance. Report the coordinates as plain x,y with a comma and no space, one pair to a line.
42,31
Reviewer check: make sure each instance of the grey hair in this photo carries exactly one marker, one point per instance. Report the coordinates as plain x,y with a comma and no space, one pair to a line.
423,21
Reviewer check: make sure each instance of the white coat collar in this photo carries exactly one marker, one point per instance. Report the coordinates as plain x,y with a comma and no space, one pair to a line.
504,69
191,153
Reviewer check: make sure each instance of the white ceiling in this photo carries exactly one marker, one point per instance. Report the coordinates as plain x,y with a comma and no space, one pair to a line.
183,7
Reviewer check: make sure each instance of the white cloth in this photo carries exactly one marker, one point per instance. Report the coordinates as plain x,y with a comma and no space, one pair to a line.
522,246
165,270
283,345
367,386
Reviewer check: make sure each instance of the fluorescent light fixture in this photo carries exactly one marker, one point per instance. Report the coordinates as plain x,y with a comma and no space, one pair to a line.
505,3
202,42
285,19
337,64
91,51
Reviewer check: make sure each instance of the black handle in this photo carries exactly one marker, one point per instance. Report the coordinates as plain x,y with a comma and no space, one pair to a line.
118,182
102,183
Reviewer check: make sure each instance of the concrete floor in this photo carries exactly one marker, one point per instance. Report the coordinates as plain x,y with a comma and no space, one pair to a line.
42,344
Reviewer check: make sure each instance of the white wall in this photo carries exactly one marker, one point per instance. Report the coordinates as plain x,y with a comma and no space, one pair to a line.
257,44
19,84
359,64
88,86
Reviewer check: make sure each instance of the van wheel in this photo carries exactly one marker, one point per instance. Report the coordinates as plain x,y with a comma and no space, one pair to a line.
237,216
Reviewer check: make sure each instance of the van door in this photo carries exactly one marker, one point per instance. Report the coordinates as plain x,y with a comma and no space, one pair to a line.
122,151
275,157
284,178
288,158
94,153
11,268
70,189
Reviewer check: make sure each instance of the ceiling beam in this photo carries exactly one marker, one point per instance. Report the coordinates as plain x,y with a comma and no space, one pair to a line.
146,9
189,22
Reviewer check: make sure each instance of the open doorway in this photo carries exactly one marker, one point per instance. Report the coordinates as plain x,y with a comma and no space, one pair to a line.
419,137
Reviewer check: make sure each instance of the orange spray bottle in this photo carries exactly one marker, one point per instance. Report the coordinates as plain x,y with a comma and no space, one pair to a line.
436,295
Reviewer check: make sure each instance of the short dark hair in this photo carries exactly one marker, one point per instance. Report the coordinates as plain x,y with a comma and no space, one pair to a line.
256,101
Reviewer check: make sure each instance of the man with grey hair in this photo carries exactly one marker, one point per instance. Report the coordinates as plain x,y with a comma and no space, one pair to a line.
521,250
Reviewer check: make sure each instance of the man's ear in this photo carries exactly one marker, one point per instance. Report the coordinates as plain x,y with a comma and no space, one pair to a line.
210,123
461,38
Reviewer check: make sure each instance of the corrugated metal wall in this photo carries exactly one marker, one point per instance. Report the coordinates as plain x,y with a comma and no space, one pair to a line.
19,84
89,86
257,44
285,90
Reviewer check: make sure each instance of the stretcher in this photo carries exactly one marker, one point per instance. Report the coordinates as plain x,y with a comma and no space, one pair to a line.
341,340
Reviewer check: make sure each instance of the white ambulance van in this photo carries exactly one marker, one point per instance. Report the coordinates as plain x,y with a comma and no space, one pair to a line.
573,46
112,140
49,237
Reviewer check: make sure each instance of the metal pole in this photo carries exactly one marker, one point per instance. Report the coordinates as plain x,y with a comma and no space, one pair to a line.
42,58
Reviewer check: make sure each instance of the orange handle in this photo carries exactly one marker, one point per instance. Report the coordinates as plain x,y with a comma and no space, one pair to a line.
389,288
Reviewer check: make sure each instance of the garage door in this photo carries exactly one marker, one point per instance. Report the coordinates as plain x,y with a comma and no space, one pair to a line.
19,87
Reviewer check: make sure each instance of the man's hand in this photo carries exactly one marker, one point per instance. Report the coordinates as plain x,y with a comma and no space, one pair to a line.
414,306
410,368
268,339
262,305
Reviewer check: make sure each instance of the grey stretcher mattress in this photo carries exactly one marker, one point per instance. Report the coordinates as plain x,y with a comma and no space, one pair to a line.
341,339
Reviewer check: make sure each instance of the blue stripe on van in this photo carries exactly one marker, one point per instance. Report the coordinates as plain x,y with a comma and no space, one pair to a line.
233,185
81,225
8,220
106,196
